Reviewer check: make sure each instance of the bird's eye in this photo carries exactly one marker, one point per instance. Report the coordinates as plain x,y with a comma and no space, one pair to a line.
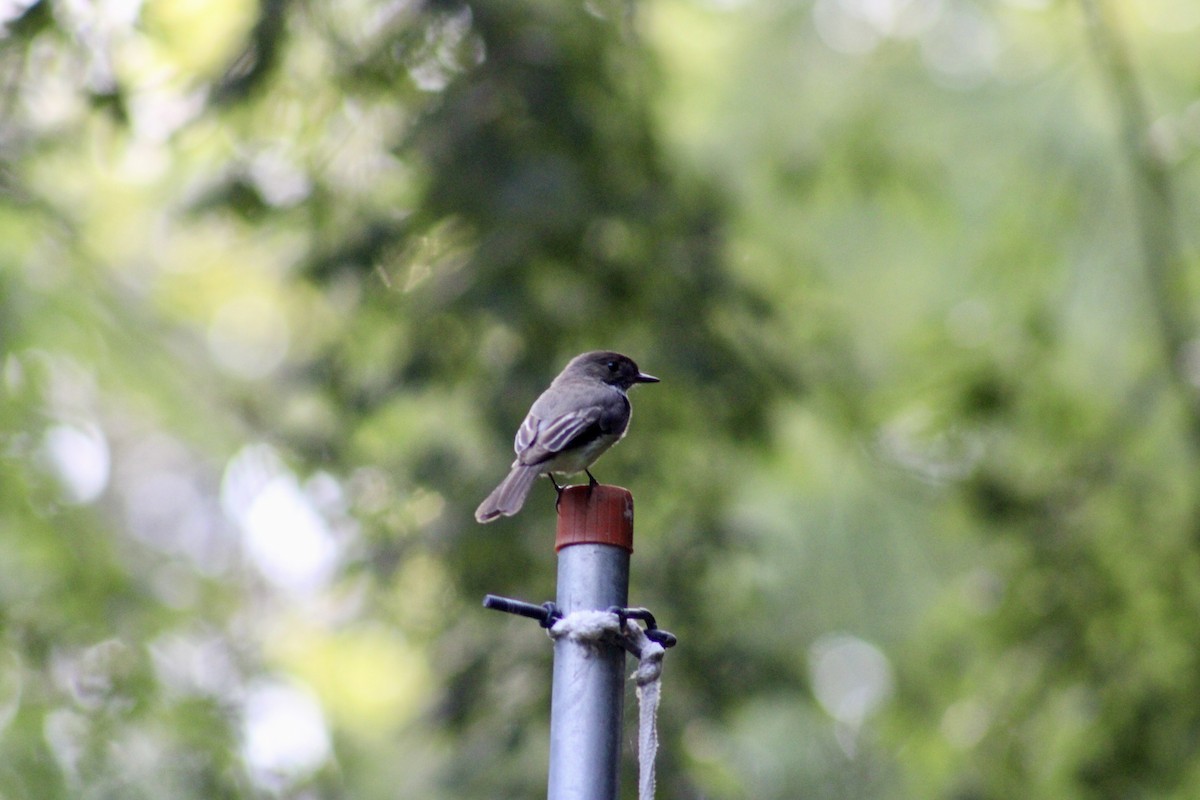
612,366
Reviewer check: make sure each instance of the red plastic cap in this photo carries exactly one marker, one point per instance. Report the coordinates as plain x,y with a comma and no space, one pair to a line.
595,515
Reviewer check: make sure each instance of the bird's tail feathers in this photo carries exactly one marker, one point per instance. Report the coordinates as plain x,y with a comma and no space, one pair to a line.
509,496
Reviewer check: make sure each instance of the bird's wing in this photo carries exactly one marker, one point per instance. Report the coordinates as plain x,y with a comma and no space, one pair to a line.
540,439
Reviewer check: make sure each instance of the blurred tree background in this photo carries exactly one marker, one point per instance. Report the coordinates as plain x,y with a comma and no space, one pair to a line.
919,492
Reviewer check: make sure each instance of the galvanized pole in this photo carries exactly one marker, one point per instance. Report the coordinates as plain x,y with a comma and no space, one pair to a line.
594,542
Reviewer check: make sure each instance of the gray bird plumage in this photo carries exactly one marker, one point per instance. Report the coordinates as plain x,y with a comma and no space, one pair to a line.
584,412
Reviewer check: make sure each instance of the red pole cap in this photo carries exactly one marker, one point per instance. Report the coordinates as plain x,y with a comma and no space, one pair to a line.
595,515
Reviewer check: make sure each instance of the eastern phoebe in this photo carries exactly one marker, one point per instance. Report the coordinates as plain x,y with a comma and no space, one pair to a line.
583,413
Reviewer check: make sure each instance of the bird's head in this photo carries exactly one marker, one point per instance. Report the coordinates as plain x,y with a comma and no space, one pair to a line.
608,367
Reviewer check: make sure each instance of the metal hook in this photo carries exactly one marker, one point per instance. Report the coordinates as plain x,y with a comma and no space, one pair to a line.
548,613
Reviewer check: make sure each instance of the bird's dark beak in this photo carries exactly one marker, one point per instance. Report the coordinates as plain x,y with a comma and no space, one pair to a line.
644,378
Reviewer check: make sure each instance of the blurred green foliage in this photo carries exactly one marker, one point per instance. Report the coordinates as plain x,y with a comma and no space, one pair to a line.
918,491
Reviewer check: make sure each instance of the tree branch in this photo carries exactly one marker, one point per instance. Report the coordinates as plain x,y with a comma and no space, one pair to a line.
1157,214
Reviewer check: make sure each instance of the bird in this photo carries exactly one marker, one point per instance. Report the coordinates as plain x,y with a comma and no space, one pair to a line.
584,412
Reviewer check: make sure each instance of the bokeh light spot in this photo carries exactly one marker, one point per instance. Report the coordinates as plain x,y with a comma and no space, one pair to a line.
248,336
284,734
285,536
79,458
851,678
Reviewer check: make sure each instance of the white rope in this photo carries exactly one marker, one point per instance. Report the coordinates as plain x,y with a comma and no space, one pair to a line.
586,626
596,626
649,684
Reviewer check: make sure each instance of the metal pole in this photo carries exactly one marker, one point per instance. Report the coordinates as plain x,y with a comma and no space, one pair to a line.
594,541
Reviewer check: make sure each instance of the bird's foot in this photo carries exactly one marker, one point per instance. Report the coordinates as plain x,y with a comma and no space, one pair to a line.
592,482
557,489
